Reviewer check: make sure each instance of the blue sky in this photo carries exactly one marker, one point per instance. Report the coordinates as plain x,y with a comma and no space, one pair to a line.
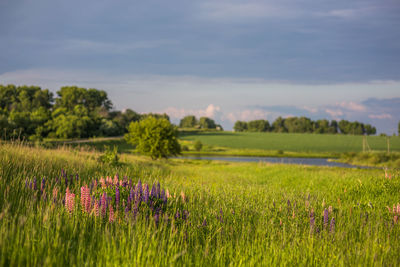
228,60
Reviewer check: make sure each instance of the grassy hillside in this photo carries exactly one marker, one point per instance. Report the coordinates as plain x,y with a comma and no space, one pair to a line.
293,142
230,213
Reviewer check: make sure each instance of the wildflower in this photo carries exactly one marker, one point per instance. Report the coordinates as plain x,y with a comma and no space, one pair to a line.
204,222
102,182
167,194
146,194
34,183
158,190
116,180
111,217
69,201
96,209
103,204
153,191
326,218
117,196
332,226
183,196
312,219
85,199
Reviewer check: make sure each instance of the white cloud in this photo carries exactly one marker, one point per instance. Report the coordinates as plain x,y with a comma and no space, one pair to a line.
353,106
380,116
335,113
211,111
247,115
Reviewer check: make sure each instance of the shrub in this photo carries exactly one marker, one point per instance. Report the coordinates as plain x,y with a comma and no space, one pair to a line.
155,137
198,145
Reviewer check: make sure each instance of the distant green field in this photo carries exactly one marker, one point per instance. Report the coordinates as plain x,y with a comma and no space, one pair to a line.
293,142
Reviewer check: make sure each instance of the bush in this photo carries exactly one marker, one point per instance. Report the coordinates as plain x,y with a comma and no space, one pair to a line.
198,145
155,137
110,157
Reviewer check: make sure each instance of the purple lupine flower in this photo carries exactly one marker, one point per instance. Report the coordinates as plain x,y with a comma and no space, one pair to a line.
130,183
63,173
204,223
146,194
177,215
42,185
117,196
26,183
221,215
165,199
158,190
332,226
30,185
76,177
288,203
139,188
131,196
153,191
34,183
91,186
66,180
326,218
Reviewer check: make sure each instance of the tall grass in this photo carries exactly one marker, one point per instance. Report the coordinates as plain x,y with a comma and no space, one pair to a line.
239,214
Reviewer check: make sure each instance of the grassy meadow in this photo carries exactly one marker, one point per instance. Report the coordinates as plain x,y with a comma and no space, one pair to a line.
217,213
303,143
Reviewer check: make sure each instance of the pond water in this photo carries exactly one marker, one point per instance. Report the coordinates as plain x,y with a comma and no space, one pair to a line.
283,160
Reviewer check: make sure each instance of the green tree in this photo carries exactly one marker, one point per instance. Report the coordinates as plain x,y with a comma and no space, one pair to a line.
157,138
207,123
240,126
278,125
258,126
189,121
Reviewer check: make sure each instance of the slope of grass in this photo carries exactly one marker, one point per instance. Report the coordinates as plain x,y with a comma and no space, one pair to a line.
239,214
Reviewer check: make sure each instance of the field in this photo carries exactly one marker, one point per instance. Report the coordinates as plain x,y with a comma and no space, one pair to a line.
216,213
311,143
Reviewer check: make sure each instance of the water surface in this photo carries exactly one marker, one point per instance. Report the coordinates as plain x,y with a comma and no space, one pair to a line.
283,160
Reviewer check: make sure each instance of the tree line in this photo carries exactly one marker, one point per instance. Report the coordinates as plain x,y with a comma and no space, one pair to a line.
305,125
34,113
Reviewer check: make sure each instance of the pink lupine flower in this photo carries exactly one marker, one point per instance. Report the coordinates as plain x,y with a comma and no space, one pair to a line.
111,215
103,205
85,199
96,209
69,201
102,182
115,181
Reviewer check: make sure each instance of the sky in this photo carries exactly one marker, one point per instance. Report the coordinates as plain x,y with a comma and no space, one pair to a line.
227,59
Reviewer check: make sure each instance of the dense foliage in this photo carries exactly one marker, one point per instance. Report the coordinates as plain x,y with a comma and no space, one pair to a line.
155,137
31,112
305,125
